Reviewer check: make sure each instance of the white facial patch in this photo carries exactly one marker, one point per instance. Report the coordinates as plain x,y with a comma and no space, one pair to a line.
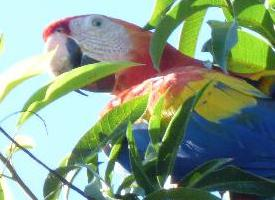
60,62
100,38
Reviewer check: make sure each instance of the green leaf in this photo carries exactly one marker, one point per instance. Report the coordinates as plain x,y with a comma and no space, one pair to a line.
201,171
253,15
53,185
126,183
172,19
107,130
70,81
236,180
115,152
173,138
23,71
94,188
161,7
223,38
190,33
136,163
271,3
25,141
2,193
272,14
155,131
251,55
5,193
181,193
1,43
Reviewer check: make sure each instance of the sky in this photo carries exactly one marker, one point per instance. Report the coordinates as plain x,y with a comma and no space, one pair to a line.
22,23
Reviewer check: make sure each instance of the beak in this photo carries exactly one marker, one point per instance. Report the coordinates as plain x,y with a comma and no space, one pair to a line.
75,53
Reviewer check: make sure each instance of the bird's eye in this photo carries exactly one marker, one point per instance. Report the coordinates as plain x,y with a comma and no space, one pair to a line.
59,30
97,22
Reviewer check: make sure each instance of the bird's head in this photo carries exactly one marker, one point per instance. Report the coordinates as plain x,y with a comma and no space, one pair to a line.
93,38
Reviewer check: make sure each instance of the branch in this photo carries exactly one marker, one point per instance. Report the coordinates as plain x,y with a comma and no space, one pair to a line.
61,178
16,177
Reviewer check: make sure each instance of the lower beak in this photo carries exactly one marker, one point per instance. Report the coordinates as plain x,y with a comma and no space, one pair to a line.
75,53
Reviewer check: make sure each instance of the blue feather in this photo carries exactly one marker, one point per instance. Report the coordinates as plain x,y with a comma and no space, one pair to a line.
248,138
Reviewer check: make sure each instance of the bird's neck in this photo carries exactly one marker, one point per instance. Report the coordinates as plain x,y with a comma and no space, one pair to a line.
171,59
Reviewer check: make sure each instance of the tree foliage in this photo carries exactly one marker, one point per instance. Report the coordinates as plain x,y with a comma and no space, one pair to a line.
243,43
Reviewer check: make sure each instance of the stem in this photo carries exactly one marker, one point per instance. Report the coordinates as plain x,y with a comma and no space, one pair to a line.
61,178
16,177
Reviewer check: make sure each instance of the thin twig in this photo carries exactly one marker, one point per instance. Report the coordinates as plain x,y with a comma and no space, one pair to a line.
16,177
6,176
61,178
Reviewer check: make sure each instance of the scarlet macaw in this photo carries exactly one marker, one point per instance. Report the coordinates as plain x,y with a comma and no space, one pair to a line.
233,119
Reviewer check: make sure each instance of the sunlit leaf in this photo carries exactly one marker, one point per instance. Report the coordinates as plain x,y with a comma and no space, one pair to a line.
23,71
108,129
1,43
136,163
272,14
173,138
253,15
53,185
25,141
161,7
67,82
198,173
126,183
115,151
172,19
5,193
155,131
236,180
2,193
251,55
181,193
271,3
190,33
224,38
94,188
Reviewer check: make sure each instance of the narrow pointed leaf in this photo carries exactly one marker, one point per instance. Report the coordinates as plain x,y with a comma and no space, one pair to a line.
5,193
160,8
25,141
251,55
155,131
108,129
181,193
173,138
136,163
200,172
126,183
2,193
236,180
67,82
224,38
253,15
272,14
172,19
115,151
85,152
53,185
21,72
1,43
190,33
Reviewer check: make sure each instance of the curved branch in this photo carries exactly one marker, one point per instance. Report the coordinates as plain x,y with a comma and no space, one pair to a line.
16,177
61,178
